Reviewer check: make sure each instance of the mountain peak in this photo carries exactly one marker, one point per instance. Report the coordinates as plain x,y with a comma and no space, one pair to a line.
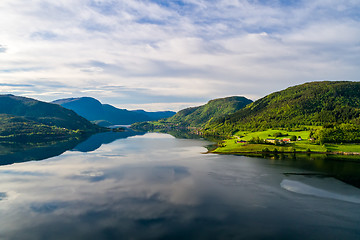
81,99
92,109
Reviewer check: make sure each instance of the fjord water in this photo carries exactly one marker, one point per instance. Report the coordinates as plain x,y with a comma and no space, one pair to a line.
155,186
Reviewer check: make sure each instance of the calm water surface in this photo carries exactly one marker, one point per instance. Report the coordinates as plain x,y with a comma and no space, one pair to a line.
154,186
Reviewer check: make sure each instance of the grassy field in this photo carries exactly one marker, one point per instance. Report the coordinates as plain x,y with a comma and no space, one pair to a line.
246,135
233,146
230,145
343,147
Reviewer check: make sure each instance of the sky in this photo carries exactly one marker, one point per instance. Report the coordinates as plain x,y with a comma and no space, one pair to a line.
168,55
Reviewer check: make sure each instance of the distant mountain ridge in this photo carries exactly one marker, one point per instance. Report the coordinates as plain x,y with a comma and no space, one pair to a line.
106,114
156,115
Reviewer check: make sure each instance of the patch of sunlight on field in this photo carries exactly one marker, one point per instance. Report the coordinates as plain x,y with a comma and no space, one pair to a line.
343,147
246,135
231,145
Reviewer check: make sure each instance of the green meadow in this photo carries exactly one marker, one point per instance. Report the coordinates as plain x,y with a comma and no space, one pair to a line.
271,133
233,145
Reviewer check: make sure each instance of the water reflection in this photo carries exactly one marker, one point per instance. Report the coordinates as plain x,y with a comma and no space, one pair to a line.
343,168
22,152
320,186
3,195
155,186
95,141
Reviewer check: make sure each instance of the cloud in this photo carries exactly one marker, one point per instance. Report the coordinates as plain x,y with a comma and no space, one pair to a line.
44,35
15,85
92,69
13,70
173,52
2,49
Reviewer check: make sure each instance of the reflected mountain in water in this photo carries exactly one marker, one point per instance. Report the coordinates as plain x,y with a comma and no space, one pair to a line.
95,141
156,186
189,134
343,168
181,133
22,152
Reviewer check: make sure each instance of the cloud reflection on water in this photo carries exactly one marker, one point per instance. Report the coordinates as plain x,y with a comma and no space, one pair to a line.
3,195
155,188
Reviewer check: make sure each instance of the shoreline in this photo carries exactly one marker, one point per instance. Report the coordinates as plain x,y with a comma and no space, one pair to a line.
287,152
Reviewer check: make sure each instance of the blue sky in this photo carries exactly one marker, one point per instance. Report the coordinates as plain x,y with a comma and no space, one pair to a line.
168,55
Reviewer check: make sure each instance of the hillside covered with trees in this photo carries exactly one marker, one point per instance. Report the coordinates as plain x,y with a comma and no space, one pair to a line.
333,106
199,116
26,119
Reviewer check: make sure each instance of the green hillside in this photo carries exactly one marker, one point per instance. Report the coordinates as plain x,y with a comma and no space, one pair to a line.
199,116
44,113
333,105
25,119
19,129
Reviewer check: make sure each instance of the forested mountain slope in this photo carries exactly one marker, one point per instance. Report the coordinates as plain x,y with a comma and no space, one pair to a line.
44,113
315,103
199,116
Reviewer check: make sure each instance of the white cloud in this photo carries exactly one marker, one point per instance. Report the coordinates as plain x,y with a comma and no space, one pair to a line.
171,52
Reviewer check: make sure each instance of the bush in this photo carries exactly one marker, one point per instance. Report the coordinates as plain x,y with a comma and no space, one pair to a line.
279,134
293,138
256,140
265,150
